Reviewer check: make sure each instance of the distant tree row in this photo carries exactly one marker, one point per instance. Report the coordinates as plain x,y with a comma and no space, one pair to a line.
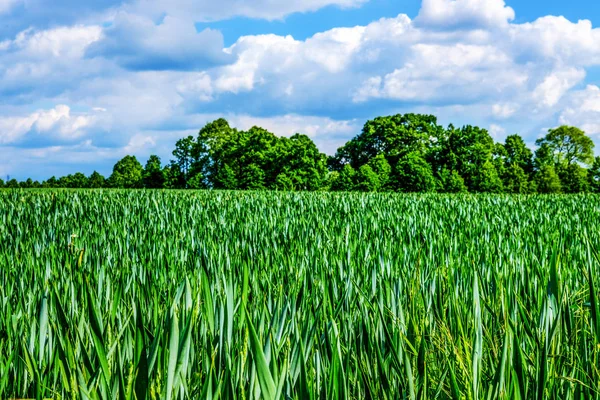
400,153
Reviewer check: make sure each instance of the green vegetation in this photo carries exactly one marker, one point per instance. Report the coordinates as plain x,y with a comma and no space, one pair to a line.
408,153
247,295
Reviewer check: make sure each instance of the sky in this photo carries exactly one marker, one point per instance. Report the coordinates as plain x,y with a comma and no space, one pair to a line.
84,83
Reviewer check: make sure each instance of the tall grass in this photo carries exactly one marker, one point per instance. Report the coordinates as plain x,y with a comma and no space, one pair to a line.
135,295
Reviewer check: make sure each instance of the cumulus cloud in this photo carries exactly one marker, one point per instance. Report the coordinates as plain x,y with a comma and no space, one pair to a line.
137,43
62,42
58,122
453,72
149,77
6,5
452,14
208,10
555,39
583,110
556,84
45,63
328,134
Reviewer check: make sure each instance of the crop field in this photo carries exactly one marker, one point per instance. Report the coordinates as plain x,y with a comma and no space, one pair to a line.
266,295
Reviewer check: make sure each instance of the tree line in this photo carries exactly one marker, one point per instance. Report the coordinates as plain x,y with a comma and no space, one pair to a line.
399,153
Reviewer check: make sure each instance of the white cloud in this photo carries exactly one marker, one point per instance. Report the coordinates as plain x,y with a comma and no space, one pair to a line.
150,77
556,39
7,5
63,42
136,42
464,13
38,64
555,85
583,110
139,142
209,10
446,72
57,122
497,132
504,110
287,125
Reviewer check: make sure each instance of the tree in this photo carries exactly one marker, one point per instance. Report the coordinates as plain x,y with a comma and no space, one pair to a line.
76,181
547,179
2,183
96,180
50,183
574,179
12,184
414,174
153,175
301,161
467,151
283,182
594,176
196,182
514,164
382,168
518,153
214,146
367,180
487,180
393,137
185,154
224,178
252,178
344,182
567,145
127,173
451,182
515,180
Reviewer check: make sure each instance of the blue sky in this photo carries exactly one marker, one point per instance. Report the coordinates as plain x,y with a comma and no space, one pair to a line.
84,83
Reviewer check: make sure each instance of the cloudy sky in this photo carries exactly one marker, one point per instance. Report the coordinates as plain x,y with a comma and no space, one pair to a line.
83,83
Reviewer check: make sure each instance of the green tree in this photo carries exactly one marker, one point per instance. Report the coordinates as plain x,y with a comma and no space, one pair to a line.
382,168
283,182
186,157
96,180
28,184
470,151
12,184
301,161
50,183
196,182
153,175
127,173
574,179
567,145
515,166
515,180
547,180
451,182
78,181
414,174
225,178
518,153
367,180
216,150
252,178
345,180
594,176
393,137
487,180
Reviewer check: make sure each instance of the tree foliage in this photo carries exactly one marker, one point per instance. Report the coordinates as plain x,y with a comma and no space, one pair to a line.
401,153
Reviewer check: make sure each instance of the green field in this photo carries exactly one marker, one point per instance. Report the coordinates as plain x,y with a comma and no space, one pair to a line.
138,294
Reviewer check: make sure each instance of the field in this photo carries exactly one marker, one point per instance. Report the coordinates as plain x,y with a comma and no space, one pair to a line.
139,294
